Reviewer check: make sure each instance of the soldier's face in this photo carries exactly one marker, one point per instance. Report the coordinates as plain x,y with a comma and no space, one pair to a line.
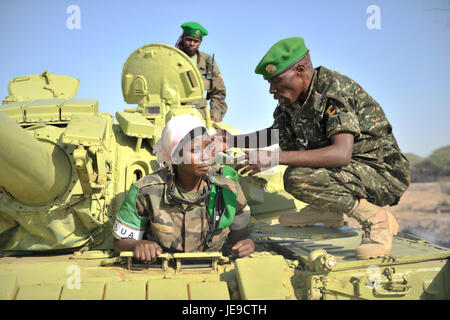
197,156
287,87
191,44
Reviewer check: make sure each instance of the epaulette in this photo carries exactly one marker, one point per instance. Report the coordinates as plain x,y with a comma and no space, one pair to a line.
206,56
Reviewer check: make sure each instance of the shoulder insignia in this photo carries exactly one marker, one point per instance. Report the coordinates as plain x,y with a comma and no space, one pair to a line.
331,111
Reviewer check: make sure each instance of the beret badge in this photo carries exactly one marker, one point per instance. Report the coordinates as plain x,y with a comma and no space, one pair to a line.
271,69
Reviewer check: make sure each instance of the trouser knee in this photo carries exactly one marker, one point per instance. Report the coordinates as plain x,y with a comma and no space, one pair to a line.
318,188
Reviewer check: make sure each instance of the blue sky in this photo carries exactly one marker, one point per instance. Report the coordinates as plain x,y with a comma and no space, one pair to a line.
404,64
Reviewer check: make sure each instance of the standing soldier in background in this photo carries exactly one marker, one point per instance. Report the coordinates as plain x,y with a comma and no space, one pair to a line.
189,42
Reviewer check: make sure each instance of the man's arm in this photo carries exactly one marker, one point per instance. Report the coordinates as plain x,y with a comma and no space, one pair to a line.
338,154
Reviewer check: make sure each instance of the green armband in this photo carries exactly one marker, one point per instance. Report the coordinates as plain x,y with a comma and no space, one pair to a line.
128,223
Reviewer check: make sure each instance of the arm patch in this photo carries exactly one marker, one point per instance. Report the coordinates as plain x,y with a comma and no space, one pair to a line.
129,224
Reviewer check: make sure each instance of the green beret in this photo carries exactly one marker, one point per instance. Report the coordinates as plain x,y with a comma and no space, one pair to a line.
194,29
281,56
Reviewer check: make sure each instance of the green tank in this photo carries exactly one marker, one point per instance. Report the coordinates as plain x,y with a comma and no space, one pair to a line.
65,168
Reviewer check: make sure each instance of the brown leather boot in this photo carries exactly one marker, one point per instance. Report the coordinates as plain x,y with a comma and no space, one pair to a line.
310,215
379,226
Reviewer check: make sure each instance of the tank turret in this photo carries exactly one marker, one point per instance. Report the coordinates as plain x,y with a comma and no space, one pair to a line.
65,167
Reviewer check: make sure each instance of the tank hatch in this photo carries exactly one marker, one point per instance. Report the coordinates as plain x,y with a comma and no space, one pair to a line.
42,86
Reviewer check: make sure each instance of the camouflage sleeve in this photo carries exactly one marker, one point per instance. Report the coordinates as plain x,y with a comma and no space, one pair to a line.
340,119
286,137
216,94
242,216
129,222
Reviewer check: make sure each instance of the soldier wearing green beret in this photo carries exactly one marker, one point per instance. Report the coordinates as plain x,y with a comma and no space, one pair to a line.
189,42
341,154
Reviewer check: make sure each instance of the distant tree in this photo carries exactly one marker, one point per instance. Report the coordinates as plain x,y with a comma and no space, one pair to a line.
440,158
413,158
424,171
432,168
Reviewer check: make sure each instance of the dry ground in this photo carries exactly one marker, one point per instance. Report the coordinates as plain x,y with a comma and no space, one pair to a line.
424,211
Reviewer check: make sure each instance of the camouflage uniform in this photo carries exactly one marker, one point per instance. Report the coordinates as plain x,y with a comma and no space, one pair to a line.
150,212
214,86
378,171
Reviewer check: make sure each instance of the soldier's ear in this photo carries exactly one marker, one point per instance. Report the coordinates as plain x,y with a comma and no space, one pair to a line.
300,68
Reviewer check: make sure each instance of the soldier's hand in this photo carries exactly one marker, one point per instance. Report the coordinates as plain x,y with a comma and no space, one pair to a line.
257,161
147,251
222,140
243,248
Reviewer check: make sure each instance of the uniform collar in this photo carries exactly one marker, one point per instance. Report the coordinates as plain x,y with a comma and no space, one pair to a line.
205,186
195,58
201,60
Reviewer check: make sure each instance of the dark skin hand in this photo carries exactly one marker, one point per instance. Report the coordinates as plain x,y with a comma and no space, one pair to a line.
144,250
222,140
338,154
244,248
241,248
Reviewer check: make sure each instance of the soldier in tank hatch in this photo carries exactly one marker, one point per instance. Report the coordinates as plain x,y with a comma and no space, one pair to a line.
189,42
341,154
186,206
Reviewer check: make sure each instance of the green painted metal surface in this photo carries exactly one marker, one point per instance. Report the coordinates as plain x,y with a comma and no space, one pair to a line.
85,291
266,278
42,86
208,291
167,289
